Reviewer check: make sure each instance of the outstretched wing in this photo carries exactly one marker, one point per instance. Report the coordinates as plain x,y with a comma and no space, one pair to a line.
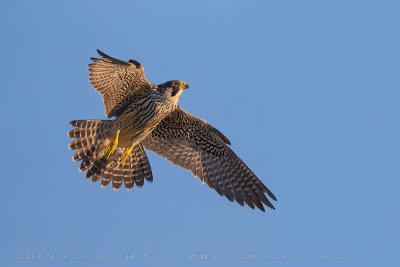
116,80
195,145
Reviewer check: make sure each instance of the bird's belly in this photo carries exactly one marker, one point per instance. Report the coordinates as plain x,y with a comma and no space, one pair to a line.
137,127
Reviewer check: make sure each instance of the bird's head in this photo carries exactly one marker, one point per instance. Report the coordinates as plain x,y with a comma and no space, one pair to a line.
174,88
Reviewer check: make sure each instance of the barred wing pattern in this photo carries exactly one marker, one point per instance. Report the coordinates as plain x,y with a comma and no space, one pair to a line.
195,145
116,80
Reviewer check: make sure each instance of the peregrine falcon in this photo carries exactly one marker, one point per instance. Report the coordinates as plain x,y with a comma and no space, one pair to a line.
148,116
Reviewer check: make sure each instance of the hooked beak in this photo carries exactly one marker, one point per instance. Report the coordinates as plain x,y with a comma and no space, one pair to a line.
186,86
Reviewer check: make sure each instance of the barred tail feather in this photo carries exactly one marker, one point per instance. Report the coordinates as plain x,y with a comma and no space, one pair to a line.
88,136
135,170
86,133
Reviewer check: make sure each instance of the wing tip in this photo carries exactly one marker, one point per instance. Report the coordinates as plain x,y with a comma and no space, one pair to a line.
101,53
270,194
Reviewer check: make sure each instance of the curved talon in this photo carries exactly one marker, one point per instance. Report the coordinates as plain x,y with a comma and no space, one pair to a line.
112,146
126,154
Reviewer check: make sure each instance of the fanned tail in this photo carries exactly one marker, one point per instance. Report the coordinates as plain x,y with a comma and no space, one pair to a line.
89,143
88,135
135,170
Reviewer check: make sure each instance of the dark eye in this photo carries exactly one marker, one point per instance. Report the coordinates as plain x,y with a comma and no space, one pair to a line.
175,84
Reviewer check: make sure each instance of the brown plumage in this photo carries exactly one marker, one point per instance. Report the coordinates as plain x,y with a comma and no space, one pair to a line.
195,145
148,116
117,80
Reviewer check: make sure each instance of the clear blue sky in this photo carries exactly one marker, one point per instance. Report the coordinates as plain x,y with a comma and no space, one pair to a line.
307,91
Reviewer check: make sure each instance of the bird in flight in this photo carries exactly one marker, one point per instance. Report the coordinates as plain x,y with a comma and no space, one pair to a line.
148,116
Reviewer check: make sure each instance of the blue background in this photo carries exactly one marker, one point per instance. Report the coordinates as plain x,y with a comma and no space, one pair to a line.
307,92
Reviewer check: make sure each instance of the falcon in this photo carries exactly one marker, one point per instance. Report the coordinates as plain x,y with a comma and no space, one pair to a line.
148,116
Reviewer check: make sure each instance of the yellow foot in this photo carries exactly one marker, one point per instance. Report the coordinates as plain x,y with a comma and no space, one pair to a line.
112,146
125,155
